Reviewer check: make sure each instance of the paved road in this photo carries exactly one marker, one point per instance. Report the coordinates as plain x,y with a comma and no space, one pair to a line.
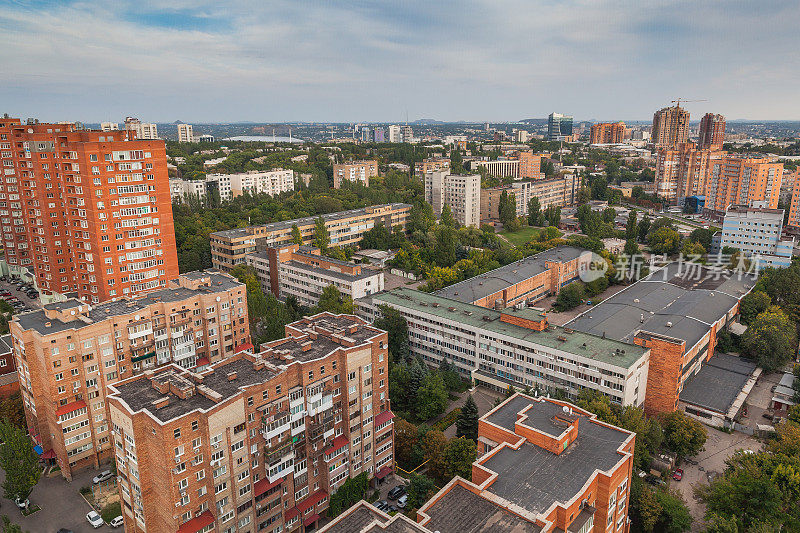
61,506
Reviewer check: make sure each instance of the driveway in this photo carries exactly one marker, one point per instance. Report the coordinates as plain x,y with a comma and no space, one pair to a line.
760,399
29,302
61,505
719,447
484,399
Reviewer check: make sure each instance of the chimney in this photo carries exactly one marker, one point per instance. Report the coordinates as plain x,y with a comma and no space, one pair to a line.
231,375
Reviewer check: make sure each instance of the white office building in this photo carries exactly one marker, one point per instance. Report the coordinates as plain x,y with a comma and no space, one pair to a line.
270,182
756,231
181,189
185,134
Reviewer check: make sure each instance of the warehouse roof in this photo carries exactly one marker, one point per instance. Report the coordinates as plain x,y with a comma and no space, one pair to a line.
718,382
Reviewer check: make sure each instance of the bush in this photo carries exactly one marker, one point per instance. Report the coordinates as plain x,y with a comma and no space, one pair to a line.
448,420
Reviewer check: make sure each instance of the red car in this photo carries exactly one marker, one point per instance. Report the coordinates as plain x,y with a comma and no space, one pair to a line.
678,475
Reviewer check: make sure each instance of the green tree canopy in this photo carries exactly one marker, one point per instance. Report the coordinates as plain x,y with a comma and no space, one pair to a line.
570,296
19,462
753,304
771,339
431,396
467,422
297,237
683,435
664,240
322,237
459,456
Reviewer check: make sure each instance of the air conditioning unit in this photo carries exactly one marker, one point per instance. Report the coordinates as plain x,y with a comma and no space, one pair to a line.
177,460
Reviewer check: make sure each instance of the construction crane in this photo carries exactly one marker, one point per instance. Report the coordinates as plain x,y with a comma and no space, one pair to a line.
679,100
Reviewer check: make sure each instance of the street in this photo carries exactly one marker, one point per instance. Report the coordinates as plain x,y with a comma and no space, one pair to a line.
62,505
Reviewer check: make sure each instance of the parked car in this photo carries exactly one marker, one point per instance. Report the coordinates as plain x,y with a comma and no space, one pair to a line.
5,293
678,475
105,475
94,519
391,509
402,501
382,505
116,522
396,492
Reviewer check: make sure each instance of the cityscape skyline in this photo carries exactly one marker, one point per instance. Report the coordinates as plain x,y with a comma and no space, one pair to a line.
198,63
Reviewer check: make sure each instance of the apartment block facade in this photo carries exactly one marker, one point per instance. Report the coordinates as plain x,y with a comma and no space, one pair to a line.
230,247
607,133
270,182
712,131
684,170
462,192
515,347
670,127
500,168
182,189
303,272
86,212
357,171
257,442
757,232
143,130
69,352
560,191
432,163
739,179
185,134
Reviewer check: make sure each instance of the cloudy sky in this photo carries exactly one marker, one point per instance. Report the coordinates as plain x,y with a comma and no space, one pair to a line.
339,60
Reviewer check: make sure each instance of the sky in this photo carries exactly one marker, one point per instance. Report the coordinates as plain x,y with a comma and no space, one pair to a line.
383,60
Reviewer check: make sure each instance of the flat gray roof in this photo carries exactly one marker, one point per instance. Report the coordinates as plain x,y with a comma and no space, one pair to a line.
496,280
463,511
671,302
99,312
287,224
535,478
718,383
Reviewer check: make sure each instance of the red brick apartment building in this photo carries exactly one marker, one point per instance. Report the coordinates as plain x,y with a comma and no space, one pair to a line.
259,441
607,133
86,212
358,171
739,179
69,352
544,466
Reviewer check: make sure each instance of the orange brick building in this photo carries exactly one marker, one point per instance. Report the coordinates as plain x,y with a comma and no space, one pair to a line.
607,133
684,170
431,164
712,131
69,352
86,212
741,180
670,126
358,171
530,165
257,442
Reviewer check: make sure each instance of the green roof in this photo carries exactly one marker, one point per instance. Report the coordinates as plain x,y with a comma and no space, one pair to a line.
557,337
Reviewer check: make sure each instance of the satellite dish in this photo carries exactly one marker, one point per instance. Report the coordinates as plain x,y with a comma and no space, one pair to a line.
565,409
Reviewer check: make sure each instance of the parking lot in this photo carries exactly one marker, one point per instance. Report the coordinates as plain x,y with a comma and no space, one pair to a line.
8,285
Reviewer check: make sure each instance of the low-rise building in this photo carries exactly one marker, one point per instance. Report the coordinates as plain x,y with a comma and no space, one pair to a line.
231,247
756,231
303,272
357,171
259,441
182,189
515,347
271,182
69,352
429,165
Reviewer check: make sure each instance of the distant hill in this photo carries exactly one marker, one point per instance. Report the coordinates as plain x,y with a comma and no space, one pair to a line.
427,122
534,121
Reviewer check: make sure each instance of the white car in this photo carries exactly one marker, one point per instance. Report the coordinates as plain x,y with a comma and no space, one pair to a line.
402,501
95,519
105,475
118,521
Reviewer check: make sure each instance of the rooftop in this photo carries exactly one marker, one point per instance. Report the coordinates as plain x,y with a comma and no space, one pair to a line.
318,336
364,518
676,302
473,289
287,224
462,511
590,346
38,320
718,383
535,478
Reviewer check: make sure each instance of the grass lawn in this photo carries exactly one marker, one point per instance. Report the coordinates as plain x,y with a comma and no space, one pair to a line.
111,511
525,233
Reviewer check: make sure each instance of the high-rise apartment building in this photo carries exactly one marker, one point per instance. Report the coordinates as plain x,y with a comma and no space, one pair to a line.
231,247
607,133
407,134
670,126
356,171
530,165
462,192
739,179
429,165
144,130
712,131
395,134
87,212
683,170
182,189
756,231
559,126
185,134
260,441
68,353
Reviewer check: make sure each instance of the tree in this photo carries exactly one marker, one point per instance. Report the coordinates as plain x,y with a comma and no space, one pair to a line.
446,219
445,252
703,236
333,301
459,456
11,409
753,304
721,524
664,240
467,422
321,236
348,494
552,214
417,374
682,434
644,228
405,438
507,208
535,217
420,489
675,516
649,509
570,297
631,248
609,214
297,237
434,446
10,527
631,228
693,250
771,339
431,396
396,327
19,461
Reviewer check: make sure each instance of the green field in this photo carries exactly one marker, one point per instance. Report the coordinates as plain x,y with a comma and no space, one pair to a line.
526,233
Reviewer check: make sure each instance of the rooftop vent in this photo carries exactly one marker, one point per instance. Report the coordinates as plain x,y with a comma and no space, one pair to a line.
231,375
669,324
636,300
451,309
487,318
